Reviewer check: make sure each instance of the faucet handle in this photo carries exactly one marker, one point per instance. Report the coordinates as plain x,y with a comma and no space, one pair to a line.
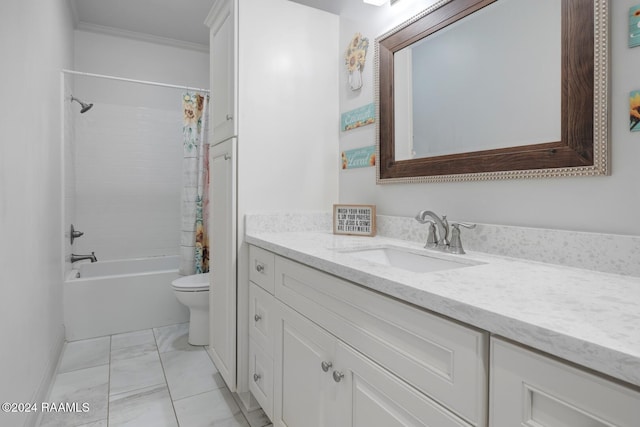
432,238
455,247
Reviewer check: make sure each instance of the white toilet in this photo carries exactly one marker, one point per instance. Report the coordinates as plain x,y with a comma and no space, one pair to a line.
193,291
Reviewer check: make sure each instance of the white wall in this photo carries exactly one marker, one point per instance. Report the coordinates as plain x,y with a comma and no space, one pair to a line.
600,204
36,42
128,147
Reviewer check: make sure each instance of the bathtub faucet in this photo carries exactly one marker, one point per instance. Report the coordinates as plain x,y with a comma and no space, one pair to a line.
75,257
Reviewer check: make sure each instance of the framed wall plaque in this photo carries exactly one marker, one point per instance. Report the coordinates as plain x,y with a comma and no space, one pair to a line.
356,220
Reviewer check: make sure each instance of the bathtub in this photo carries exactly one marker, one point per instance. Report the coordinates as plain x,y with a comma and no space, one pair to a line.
111,297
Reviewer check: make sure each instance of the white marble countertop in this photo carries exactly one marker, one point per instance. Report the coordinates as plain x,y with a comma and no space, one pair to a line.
586,317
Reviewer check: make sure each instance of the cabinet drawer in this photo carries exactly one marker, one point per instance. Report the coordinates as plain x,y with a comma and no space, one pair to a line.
529,389
261,268
261,317
261,377
443,359
371,396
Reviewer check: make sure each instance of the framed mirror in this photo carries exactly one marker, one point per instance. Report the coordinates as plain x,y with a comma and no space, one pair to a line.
494,89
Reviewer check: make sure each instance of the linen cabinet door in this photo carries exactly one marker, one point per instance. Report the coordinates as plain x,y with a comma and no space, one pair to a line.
222,21
370,396
303,360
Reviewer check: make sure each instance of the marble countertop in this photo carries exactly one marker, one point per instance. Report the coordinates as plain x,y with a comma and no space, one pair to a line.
586,317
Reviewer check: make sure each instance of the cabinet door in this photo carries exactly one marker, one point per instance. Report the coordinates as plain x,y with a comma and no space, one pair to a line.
370,396
222,293
223,42
301,381
529,389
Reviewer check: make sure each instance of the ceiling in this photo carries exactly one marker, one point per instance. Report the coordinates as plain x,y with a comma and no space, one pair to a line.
170,21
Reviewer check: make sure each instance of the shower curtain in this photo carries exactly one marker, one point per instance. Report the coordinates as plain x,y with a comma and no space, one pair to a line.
194,245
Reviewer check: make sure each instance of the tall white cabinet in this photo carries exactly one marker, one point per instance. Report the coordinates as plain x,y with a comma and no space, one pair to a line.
274,91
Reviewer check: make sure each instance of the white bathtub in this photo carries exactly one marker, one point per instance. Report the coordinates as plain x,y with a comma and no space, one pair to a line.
110,297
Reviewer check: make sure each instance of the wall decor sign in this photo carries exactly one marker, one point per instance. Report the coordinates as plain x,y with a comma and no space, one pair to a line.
634,26
356,220
355,58
358,117
634,111
358,157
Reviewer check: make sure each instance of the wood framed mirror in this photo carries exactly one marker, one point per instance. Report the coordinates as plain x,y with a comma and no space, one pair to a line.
575,93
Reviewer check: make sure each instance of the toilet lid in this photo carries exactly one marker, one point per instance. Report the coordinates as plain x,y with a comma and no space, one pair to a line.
196,282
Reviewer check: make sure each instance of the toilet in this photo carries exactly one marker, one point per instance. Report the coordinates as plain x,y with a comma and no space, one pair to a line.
193,291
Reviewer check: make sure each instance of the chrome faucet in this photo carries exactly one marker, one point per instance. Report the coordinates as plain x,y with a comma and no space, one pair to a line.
440,239
75,257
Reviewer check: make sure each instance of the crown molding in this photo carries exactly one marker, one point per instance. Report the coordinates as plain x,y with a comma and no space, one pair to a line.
118,32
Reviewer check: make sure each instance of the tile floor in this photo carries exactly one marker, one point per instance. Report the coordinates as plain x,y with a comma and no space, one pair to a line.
145,378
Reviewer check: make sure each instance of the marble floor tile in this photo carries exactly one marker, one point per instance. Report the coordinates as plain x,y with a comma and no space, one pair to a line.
147,407
101,423
213,408
257,418
133,351
85,354
173,337
131,339
90,385
190,372
137,372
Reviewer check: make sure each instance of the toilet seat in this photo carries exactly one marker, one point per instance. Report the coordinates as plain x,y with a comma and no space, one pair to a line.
195,283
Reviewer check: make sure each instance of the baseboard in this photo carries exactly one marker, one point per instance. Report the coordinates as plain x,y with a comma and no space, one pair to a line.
46,383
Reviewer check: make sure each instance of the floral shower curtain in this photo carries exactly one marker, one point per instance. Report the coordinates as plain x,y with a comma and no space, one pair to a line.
194,245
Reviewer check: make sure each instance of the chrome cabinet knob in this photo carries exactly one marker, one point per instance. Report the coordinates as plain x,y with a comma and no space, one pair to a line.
326,366
257,317
256,377
337,376
259,268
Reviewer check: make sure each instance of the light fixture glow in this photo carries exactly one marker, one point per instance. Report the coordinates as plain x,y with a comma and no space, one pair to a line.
375,2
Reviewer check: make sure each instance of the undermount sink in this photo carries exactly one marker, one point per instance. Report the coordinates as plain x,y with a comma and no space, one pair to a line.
409,259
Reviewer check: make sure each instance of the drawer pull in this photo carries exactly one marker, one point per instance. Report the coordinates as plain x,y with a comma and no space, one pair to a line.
326,366
259,268
257,317
256,377
337,376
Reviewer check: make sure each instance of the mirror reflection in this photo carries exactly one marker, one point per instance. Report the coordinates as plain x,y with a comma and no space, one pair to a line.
491,80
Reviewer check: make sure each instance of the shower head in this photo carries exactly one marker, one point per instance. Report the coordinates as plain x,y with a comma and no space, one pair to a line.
85,107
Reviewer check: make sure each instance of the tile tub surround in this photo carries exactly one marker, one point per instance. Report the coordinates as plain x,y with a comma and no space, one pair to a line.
144,378
582,316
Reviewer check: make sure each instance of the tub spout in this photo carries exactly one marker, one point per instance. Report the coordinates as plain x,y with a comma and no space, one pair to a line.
91,257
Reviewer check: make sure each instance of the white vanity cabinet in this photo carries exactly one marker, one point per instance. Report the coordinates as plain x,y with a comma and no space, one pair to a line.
345,356
533,390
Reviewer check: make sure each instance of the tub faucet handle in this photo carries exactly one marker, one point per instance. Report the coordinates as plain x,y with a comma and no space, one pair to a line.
74,234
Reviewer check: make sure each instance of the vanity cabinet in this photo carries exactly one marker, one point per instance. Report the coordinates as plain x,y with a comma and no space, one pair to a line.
532,389
322,381
345,356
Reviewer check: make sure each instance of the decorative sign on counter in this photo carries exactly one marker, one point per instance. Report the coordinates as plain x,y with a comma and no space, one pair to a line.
358,157
357,220
359,117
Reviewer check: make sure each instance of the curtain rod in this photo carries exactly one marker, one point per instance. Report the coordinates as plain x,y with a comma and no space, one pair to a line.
144,82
